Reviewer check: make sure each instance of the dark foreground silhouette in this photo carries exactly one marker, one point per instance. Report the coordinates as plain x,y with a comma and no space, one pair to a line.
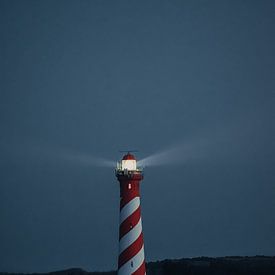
258,265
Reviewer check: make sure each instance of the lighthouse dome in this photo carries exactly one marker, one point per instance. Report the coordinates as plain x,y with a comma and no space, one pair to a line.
129,156
129,162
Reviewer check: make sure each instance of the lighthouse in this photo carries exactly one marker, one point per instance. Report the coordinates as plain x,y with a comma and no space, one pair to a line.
131,258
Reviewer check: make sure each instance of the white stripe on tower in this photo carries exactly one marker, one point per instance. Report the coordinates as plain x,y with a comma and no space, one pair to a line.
130,237
132,265
129,209
131,249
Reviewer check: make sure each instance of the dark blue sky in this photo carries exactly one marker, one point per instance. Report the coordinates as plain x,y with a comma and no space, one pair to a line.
93,77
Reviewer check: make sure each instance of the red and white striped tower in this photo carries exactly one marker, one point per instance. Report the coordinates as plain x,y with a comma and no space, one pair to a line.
131,249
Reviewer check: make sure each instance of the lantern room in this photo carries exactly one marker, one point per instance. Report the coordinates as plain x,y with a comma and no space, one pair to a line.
128,162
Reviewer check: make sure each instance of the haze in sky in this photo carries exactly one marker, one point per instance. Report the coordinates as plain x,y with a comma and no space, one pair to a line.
190,84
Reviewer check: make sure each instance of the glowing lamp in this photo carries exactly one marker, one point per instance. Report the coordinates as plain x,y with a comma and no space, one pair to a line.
128,163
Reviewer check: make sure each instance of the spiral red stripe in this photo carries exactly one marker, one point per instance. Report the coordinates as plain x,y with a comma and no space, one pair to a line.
141,270
131,255
127,196
133,264
129,223
124,201
131,251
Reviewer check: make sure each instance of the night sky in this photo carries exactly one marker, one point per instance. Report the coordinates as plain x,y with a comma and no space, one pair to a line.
81,79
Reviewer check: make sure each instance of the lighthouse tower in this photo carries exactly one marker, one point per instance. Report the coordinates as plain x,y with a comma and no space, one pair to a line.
131,249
